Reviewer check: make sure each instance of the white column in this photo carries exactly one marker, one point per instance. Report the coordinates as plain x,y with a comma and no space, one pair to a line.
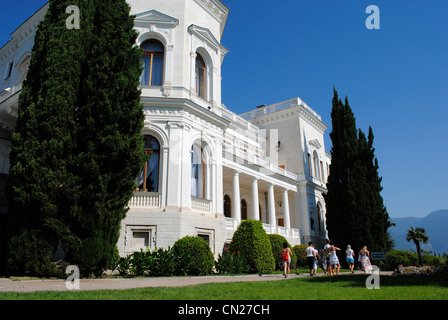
304,213
271,203
213,186
236,204
255,211
193,72
286,209
169,63
219,179
165,163
174,176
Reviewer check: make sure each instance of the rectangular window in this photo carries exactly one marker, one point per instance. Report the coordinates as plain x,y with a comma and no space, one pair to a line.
208,235
9,70
139,238
322,171
309,165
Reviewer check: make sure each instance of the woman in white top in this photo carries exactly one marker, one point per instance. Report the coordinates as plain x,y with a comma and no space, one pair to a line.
349,253
334,260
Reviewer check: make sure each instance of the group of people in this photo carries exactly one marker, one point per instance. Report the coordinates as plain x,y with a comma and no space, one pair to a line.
327,259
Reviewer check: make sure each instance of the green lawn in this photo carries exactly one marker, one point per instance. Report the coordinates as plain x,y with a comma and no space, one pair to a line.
342,287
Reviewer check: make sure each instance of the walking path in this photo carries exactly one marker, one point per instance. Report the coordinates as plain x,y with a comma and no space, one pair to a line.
7,285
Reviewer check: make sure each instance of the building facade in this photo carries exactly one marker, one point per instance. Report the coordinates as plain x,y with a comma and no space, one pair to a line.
209,167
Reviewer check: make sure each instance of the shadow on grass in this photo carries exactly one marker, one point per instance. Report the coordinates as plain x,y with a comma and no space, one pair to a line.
359,280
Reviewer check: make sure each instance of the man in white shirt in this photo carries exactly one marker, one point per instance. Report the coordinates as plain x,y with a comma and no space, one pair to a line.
310,256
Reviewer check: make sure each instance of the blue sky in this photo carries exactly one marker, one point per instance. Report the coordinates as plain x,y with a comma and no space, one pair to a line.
396,78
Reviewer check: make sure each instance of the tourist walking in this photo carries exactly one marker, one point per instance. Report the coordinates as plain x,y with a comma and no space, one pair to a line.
310,257
323,260
349,254
326,256
286,258
316,259
334,260
364,256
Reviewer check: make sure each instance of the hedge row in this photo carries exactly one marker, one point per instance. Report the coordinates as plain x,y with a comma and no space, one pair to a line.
188,256
251,251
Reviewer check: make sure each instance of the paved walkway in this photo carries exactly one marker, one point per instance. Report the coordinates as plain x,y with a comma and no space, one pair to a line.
7,285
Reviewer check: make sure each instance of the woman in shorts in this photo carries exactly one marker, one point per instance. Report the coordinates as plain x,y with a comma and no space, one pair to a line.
286,259
349,254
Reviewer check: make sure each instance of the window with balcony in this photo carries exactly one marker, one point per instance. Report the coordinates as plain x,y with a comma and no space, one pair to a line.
153,55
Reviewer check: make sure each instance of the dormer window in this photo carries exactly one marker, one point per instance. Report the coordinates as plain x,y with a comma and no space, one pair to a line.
153,53
200,77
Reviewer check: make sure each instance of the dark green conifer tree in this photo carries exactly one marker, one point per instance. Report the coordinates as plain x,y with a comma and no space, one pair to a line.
110,154
355,211
341,199
77,149
41,183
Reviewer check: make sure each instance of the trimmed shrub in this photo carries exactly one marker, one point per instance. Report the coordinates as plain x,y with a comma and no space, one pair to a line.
252,241
277,245
197,259
299,251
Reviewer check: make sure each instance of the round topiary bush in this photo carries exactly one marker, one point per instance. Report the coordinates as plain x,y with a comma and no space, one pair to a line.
252,241
277,245
196,256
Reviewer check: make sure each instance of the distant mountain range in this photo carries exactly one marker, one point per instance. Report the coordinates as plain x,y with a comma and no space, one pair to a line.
436,226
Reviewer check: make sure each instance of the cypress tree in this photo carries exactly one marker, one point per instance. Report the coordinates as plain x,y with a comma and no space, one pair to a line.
355,211
78,146
379,217
341,199
41,183
110,153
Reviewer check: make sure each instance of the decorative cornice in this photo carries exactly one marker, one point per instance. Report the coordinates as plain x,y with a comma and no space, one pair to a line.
154,17
215,8
205,35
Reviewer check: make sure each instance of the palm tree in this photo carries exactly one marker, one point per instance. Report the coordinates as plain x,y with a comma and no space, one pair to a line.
417,235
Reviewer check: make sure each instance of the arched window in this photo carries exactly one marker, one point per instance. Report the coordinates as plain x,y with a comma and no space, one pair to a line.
243,209
200,76
227,206
198,172
149,177
153,52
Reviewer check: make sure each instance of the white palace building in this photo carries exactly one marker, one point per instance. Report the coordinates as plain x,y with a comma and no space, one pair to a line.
210,168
